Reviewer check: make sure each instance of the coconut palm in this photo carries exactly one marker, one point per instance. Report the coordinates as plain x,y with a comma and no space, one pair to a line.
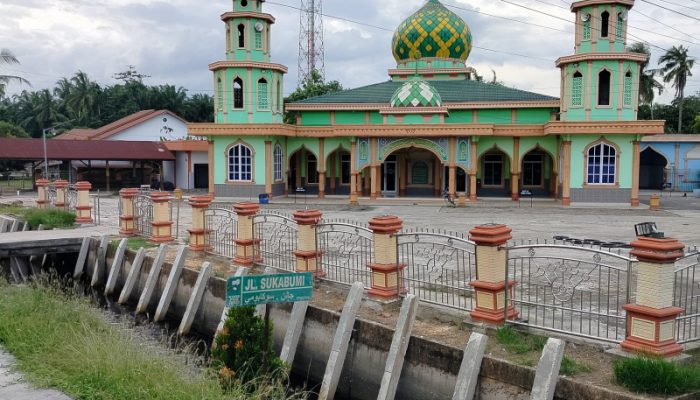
647,83
83,99
6,57
677,66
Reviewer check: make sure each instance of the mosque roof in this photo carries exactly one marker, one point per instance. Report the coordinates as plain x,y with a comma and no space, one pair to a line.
450,91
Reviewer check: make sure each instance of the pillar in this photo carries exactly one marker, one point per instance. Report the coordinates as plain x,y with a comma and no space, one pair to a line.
210,169
321,167
198,232
473,169
490,287
321,184
307,257
83,209
61,187
651,321
269,162
437,175
566,177
246,246
452,181
634,201
374,182
126,211
354,184
332,180
42,193
402,170
107,176
515,171
162,224
387,273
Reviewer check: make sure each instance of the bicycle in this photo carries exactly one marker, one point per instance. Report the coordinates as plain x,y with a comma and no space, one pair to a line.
449,201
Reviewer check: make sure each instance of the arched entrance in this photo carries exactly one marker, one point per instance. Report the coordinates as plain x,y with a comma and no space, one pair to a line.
411,172
536,173
493,179
338,172
652,169
303,172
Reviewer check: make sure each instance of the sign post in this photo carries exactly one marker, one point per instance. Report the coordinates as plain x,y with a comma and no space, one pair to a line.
243,291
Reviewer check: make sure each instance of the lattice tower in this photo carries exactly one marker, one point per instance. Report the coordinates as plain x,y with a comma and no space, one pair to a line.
311,53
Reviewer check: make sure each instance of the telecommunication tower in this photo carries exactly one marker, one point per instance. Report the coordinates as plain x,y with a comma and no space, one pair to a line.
311,39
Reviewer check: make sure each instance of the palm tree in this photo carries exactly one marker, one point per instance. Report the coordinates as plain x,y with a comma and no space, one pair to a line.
83,99
647,82
6,57
676,69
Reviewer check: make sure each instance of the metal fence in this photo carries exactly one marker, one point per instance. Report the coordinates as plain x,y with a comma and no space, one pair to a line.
343,251
143,215
439,267
276,238
570,289
71,200
220,230
684,180
686,294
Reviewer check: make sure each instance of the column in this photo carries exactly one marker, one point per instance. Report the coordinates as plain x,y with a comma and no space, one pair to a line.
210,151
452,181
515,171
374,182
651,321
42,193
438,170
321,167
126,211
269,162
107,175
162,224
61,187
353,174
297,179
246,246
473,169
321,184
566,177
307,257
332,179
83,209
634,201
403,173
198,232
387,273
491,262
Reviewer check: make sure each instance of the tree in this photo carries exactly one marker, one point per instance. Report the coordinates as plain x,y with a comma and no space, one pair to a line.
83,103
11,130
677,68
311,87
6,57
647,82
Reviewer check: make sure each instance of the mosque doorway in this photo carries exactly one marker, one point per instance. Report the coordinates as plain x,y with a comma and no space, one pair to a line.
411,172
303,172
493,179
536,175
652,169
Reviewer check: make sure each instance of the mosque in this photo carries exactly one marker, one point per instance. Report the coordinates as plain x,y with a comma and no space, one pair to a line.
432,127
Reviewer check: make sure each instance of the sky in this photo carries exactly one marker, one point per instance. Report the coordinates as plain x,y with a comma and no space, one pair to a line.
174,41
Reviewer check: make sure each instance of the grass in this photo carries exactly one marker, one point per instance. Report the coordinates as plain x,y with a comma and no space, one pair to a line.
49,218
657,376
571,367
518,343
13,210
136,242
60,341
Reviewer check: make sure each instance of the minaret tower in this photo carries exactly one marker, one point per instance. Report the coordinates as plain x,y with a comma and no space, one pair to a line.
600,82
248,88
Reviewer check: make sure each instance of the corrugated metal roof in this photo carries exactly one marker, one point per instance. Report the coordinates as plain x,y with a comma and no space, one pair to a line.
33,149
115,127
451,91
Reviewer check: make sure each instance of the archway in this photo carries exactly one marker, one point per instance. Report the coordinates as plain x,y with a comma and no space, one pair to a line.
411,172
303,172
493,178
338,172
652,169
536,173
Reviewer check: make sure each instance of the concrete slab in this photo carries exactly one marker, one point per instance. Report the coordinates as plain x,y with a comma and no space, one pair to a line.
171,285
134,273
195,299
100,261
471,365
152,280
82,258
294,329
397,351
547,373
117,265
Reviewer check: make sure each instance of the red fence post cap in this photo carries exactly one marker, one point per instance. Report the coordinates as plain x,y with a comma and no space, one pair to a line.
200,201
246,209
490,235
128,192
61,184
657,250
42,182
83,185
386,224
307,217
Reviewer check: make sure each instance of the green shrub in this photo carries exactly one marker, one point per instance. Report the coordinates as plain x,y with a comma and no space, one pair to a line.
655,375
49,218
239,349
570,367
519,343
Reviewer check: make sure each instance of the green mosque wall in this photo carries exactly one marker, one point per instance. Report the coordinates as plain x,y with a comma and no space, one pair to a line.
579,145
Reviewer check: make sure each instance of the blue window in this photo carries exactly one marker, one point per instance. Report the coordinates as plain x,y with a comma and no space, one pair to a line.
602,164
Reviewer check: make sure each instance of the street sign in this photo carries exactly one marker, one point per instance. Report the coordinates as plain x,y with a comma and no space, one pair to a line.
244,291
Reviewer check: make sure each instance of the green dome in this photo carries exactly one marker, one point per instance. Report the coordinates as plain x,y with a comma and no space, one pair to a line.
432,32
416,93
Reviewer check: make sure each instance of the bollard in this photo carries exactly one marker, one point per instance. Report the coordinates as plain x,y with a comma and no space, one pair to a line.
490,287
61,187
162,224
83,209
654,202
42,194
387,273
307,257
246,246
126,216
651,321
198,232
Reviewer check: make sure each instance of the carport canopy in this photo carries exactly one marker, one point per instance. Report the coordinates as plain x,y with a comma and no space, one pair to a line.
70,150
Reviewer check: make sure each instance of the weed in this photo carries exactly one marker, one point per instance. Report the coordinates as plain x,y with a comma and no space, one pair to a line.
136,242
14,210
49,218
655,375
571,367
519,343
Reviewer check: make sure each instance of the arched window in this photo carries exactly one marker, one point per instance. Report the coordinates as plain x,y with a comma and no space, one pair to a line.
628,89
604,88
587,30
278,159
577,90
263,103
240,163
279,96
219,94
258,39
238,93
602,164
241,36
604,22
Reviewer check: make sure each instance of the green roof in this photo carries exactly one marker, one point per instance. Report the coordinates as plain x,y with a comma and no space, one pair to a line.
451,91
